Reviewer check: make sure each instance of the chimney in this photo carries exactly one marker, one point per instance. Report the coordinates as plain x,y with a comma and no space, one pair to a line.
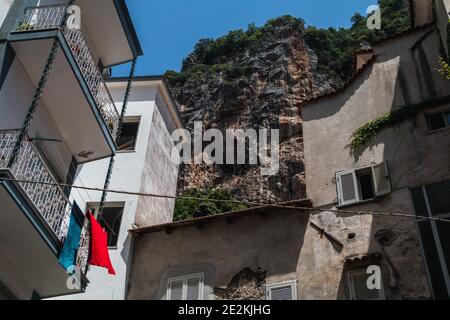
421,12
363,56
443,22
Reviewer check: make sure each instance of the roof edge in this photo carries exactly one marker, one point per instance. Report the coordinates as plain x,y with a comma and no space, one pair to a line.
369,63
128,26
168,227
152,78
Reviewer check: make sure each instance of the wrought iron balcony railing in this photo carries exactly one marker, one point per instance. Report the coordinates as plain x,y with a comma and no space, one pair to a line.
47,199
51,17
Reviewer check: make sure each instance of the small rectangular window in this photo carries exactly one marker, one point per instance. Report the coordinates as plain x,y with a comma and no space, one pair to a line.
438,120
363,184
358,288
188,288
110,221
128,135
282,291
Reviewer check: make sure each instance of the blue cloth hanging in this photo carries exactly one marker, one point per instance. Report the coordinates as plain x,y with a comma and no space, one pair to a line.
69,252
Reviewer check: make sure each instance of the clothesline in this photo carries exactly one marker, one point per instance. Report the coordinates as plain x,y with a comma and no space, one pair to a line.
248,203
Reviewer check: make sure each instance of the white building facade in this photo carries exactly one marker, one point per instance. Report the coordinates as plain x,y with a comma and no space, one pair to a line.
142,165
55,96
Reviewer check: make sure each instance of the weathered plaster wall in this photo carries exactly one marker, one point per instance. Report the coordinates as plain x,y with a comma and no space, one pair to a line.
321,265
239,259
400,76
159,176
268,244
404,73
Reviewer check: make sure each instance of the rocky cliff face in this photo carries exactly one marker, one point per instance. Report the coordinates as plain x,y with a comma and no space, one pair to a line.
266,88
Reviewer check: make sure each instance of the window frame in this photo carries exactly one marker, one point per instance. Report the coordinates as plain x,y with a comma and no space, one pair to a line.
291,283
351,287
356,184
96,207
443,115
132,119
185,280
436,237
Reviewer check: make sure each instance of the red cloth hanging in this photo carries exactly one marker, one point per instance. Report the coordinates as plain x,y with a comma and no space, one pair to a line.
98,251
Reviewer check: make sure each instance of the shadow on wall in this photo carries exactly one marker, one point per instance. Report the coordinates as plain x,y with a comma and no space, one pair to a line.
245,253
393,240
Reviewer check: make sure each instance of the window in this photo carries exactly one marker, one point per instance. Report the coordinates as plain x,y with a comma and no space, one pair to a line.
363,184
128,135
358,289
434,201
438,120
110,221
282,291
185,288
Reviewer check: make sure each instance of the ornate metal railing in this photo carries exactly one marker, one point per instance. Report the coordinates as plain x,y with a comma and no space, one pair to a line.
83,250
41,18
51,17
48,199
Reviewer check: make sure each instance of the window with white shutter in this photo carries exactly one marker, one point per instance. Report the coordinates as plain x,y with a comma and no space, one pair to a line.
185,288
381,179
363,184
358,288
282,291
346,182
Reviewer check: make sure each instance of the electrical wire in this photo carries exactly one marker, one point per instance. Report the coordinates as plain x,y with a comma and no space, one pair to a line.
72,177
249,203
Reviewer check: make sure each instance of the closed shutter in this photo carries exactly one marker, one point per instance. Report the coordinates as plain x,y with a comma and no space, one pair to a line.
193,289
346,186
359,289
176,290
284,291
381,179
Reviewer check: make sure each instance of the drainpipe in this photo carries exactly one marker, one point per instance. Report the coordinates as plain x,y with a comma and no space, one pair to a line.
119,130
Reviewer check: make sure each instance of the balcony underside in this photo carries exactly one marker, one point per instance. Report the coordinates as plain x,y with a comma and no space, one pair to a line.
66,95
28,247
110,30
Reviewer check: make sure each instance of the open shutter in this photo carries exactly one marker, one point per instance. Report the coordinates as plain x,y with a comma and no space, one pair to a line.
358,287
346,187
381,179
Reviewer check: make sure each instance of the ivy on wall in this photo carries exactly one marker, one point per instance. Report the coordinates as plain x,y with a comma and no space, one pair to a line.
363,135
444,71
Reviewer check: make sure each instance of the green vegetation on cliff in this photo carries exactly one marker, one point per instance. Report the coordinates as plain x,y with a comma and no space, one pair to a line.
193,208
335,48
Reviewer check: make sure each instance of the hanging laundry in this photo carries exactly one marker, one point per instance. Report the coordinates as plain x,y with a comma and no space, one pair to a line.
98,251
69,252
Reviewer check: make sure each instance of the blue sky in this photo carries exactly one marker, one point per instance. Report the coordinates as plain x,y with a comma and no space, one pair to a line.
169,29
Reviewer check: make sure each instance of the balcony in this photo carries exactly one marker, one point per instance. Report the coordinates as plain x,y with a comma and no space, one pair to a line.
34,220
75,94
